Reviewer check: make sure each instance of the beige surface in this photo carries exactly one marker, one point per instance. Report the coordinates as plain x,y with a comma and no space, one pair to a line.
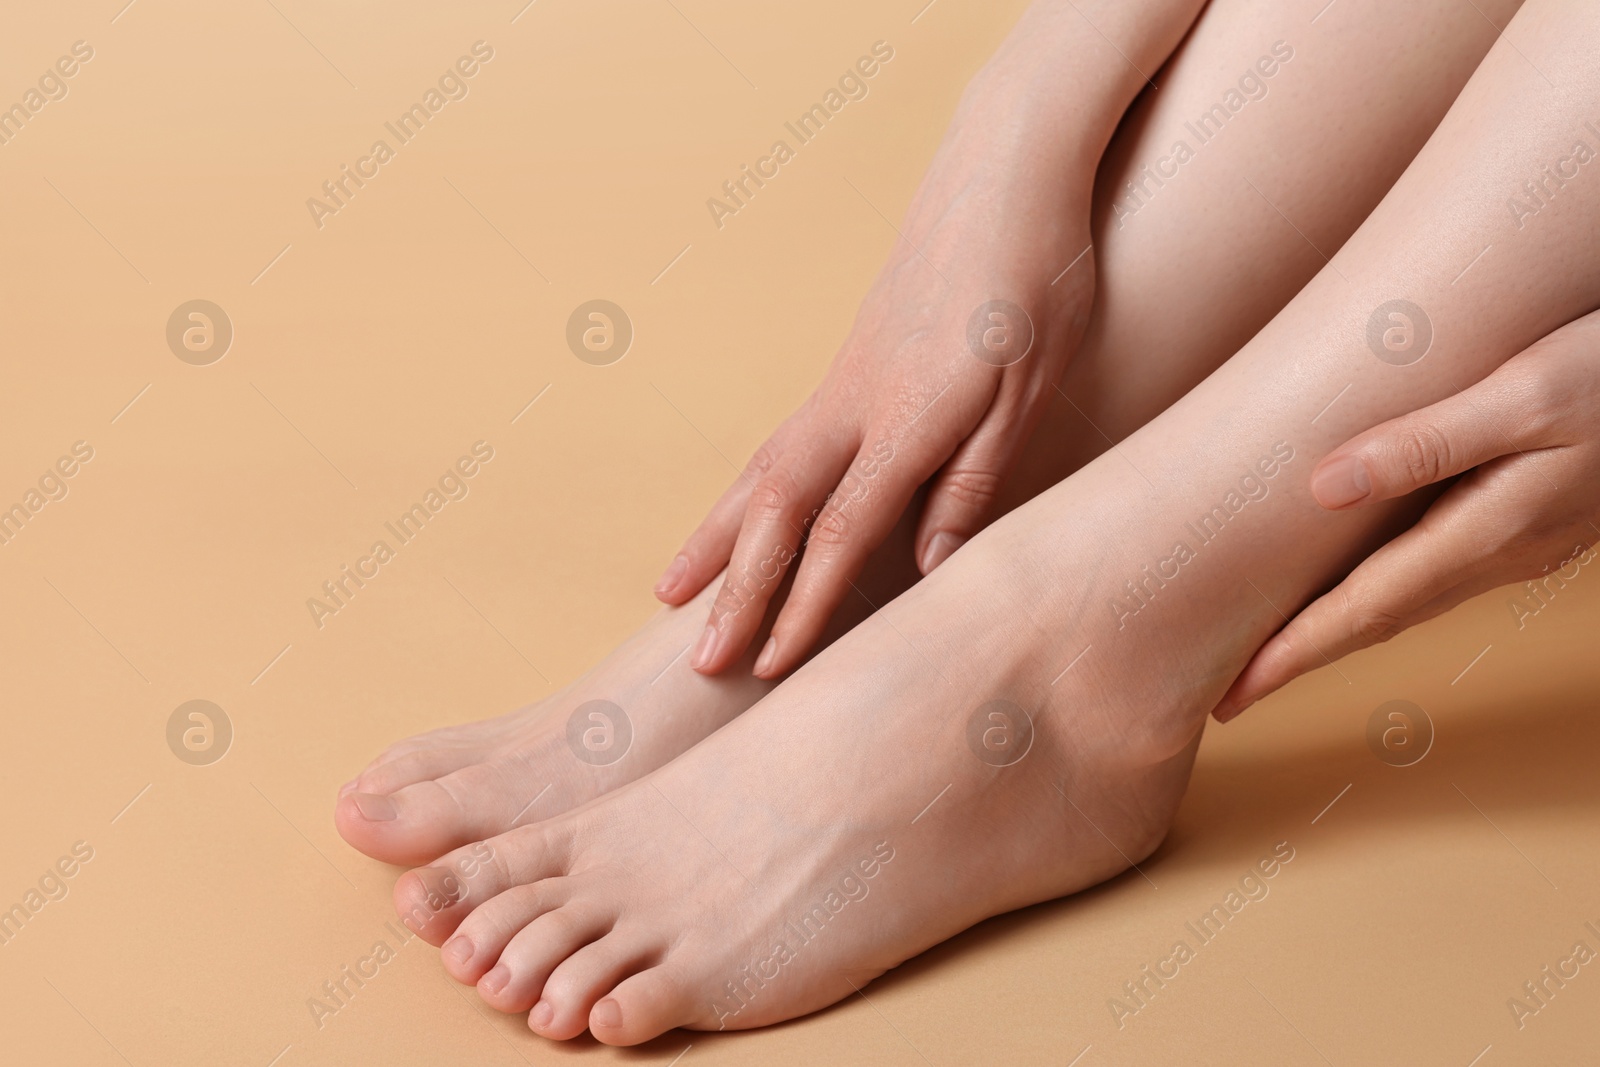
422,318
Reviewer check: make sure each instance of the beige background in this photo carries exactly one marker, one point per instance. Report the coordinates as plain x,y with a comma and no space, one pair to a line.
425,316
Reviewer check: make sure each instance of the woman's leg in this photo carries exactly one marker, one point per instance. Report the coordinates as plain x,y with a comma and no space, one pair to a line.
1199,268
1021,724
1192,265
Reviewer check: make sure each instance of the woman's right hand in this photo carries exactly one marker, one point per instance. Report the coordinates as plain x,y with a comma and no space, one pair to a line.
957,348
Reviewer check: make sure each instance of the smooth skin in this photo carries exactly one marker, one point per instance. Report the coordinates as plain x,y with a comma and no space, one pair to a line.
1522,451
1181,285
666,902
1002,214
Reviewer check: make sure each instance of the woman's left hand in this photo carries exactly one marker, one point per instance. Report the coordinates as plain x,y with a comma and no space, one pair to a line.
1526,441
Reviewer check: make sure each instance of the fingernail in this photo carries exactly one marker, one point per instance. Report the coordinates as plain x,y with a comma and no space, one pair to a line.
374,808
540,1016
458,949
702,651
607,1013
940,548
348,786
1230,714
769,652
672,576
1341,483
496,979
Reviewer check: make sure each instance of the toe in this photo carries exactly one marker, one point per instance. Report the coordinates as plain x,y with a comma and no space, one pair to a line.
398,769
518,979
437,752
481,939
642,1006
575,986
432,901
365,814
425,819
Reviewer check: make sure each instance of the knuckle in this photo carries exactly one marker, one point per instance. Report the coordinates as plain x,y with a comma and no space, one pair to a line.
1374,628
775,493
498,864
1423,453
1371,623
765,459
833,528
975,489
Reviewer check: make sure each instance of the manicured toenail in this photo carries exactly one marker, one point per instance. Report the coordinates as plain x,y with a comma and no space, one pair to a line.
769,652
458,949
703,650
607,1013
442,886
495,980
540,1016
374,808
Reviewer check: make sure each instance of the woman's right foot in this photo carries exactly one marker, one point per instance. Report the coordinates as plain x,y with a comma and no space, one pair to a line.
640,707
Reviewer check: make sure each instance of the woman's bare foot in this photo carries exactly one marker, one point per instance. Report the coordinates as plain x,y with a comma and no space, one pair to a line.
637,709
857,815
934,767
1181,297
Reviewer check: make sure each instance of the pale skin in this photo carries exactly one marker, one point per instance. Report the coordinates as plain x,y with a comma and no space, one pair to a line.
647,908
907,401
1180,287
1528,507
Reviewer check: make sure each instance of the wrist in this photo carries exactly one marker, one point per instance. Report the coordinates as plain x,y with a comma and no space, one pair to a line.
1058,85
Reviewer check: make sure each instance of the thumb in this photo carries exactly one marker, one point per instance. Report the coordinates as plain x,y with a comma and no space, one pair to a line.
1424,572
1405,454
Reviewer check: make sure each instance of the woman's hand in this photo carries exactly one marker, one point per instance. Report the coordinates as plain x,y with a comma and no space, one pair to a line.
949,365
1527,505
955,351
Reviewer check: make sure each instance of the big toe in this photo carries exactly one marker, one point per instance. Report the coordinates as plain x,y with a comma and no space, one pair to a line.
642,1006
426,819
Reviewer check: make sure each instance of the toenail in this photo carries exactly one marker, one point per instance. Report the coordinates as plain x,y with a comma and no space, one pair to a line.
458,948
496,979
540,1016
374,808
442,887
607,1013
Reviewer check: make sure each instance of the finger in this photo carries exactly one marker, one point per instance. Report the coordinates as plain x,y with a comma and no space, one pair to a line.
709,548
858,517
964,492
1424,572
1428,445
780,508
